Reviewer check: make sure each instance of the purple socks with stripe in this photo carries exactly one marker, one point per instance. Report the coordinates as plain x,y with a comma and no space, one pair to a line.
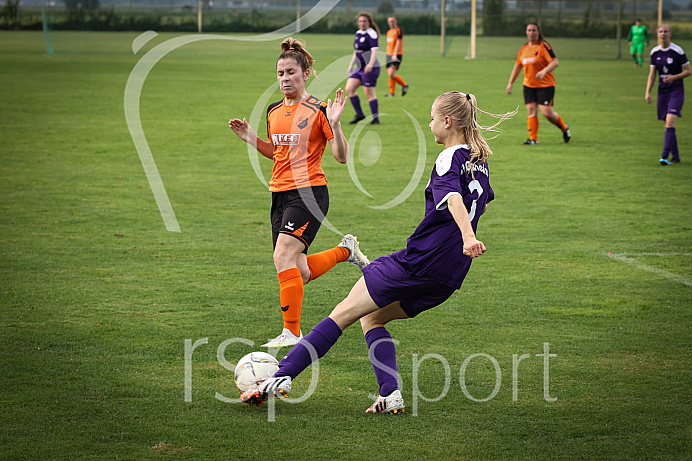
382,355
318,341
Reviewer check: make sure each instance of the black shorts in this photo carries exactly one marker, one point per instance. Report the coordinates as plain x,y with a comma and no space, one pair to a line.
299,213
394,64
543,96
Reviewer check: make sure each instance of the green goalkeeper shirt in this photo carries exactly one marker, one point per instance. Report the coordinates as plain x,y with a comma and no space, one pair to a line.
638,34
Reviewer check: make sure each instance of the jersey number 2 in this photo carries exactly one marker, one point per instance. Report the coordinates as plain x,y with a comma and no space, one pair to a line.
474,186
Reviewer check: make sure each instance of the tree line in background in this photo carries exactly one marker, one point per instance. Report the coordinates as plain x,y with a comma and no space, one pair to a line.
495,20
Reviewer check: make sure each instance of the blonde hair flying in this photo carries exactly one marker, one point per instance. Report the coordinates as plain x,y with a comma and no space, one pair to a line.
462,109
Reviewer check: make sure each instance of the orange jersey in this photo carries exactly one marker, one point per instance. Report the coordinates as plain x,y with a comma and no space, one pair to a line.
299,134
393,37
535,58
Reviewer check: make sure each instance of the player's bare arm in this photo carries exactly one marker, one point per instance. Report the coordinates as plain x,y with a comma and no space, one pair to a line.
338,143
549,68
472,246
373,59
350,64
513,76
650,83
685,73
245,132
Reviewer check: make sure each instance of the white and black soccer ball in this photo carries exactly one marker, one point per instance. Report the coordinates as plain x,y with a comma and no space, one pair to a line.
254,367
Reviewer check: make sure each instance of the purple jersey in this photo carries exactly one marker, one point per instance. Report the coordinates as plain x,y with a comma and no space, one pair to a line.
435,250
668,61
364,42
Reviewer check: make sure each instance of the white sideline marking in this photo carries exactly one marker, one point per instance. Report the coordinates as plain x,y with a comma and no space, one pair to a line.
669,275
653,254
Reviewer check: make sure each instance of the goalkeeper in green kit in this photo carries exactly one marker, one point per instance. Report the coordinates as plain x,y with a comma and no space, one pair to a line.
638,38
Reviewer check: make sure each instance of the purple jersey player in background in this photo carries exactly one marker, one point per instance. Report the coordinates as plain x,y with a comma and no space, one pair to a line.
426,273
669,60
367,67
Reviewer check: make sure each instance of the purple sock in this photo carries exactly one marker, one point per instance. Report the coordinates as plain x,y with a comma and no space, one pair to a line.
321,338
672,141
355,101
382,355
667,142
373,109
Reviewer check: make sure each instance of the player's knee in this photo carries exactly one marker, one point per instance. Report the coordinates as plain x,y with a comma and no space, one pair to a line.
549,113
351,87
670,121
283,259
367,323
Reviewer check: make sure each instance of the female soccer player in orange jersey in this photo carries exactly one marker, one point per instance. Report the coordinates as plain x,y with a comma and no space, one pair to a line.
425,274
299,128
539,61
395,52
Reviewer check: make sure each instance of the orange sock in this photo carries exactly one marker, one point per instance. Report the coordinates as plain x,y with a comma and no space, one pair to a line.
392,85
400,80
560,123
532,122
292,289
323,262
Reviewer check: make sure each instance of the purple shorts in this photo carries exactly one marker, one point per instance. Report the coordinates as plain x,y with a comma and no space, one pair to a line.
670,103
367,78
387,282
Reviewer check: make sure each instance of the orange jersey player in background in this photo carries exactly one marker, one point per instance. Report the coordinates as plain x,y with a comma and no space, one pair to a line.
299,128
395,52
535,58
538,61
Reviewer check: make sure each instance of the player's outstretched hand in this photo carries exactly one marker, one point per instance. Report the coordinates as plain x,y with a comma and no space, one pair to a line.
243,129
474,248
334,111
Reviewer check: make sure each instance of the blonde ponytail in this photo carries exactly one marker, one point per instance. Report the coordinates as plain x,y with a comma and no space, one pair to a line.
462,109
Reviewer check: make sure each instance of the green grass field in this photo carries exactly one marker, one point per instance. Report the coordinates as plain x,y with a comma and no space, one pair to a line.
589,251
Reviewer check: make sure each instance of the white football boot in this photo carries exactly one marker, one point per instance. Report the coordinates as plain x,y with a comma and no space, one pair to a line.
286,338
355,257
278,387
392,404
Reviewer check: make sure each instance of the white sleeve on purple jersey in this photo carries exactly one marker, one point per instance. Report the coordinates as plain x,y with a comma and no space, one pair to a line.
448,170
373,39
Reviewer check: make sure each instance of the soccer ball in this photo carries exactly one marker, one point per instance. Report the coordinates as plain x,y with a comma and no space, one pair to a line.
254,367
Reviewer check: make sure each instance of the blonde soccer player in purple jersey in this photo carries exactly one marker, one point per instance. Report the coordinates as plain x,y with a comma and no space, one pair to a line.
426,273
672,65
